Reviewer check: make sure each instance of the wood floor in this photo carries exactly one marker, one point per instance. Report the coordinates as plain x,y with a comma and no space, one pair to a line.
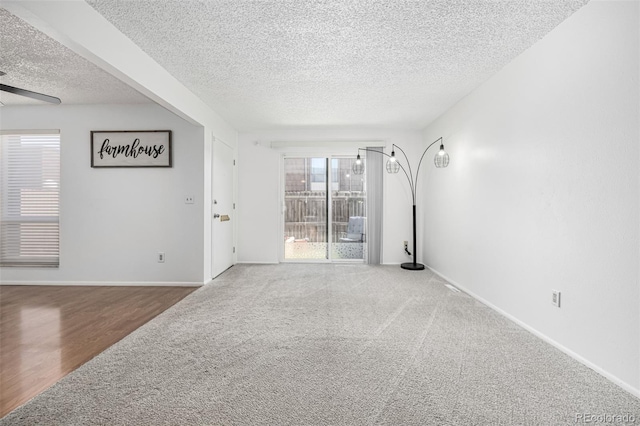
48,331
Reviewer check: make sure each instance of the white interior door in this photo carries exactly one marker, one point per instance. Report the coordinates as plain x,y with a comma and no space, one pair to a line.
223,213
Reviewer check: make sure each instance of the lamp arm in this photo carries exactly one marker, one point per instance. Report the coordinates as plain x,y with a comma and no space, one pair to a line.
413,192
420,163
412,184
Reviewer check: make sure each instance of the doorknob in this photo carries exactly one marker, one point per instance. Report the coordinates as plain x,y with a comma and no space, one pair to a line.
216,215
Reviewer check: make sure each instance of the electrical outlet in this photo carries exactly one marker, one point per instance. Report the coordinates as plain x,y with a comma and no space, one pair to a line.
406,244
555,298
161,257
188,199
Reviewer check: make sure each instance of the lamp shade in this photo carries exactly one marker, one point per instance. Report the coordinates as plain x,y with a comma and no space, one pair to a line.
442,158
392,164
358,166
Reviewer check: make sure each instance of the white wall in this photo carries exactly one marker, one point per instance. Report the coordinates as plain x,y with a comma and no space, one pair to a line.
259,185
542,190
113,222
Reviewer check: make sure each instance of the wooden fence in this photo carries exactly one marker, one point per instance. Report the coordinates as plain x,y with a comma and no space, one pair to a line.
306,214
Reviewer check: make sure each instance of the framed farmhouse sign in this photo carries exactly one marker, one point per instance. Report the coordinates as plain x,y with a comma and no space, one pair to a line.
131,148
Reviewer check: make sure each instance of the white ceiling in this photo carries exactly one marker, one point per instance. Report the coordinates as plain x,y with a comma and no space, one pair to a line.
290,63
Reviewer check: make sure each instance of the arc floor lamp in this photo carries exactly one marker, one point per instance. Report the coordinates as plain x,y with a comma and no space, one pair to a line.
393,166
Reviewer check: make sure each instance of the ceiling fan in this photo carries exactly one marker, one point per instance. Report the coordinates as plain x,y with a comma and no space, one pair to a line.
28,93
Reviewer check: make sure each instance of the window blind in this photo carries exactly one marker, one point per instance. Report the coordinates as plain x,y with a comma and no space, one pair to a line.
29,198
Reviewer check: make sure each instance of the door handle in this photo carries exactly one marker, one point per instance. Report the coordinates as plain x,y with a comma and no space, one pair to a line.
216,215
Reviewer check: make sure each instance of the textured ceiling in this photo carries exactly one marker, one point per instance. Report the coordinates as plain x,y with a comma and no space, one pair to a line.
265,64
35,62
274,63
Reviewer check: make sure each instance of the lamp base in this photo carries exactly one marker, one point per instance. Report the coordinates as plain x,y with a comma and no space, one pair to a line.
412,266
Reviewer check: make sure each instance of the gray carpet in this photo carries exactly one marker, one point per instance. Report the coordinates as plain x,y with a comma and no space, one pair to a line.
328,345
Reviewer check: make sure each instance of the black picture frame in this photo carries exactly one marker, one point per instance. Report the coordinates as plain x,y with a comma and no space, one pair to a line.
131,148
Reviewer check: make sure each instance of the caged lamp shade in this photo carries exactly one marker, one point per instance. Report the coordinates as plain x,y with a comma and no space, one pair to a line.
358,166
442,158
392,164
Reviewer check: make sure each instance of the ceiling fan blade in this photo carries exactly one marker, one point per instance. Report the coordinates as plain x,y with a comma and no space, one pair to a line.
30,94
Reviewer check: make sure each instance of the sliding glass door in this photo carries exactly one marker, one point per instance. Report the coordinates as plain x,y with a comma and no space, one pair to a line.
324,209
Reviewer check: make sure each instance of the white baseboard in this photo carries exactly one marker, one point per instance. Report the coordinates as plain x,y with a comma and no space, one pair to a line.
107,283
624,385
249,262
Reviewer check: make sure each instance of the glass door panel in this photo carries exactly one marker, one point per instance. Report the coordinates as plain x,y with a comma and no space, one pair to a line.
348,211
305,213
